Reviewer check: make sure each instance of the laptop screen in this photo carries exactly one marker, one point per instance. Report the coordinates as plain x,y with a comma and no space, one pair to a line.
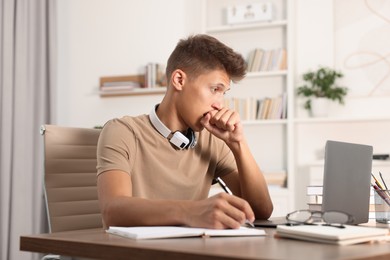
347,175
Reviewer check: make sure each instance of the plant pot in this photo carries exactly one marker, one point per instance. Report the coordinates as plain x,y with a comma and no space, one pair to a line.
319,107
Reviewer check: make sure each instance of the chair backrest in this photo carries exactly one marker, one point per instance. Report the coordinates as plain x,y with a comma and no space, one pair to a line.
70,178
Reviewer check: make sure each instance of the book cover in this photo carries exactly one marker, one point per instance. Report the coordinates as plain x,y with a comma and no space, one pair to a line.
333,235
156,232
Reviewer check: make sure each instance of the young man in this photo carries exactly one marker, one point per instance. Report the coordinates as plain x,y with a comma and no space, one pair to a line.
146,175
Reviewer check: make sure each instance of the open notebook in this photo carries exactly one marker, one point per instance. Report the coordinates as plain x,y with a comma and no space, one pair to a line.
155,232
333,235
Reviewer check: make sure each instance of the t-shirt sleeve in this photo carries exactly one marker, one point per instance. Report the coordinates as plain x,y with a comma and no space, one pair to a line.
116,147
226,163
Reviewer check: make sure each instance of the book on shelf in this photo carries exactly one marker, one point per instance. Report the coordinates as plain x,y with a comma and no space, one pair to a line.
249,61
273,108
272,59
119,86
257,109
282,60
126,83
314,190
255,60
158,232
267,60
314,206
155,75
265,108
315,199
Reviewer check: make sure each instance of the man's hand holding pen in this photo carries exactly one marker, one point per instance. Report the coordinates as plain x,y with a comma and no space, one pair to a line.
221,211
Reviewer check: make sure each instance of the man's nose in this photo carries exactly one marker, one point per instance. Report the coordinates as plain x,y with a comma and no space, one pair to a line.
218,105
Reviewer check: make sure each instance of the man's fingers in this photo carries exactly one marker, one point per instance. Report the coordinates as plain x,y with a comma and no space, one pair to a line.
205,121
242,206
234,210
223,119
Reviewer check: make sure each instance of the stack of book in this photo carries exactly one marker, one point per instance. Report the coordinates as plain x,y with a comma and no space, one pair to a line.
267,60
258,109
314,199
128,84
119,87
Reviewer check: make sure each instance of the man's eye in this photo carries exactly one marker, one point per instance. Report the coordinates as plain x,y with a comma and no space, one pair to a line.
214,89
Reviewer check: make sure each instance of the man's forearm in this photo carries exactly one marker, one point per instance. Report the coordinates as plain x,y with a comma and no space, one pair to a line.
253,186
130,211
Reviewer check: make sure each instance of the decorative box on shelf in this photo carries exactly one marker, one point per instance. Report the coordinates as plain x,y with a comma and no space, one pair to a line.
246,13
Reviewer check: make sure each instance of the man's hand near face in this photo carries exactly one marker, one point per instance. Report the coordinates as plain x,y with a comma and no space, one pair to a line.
224,124
248,182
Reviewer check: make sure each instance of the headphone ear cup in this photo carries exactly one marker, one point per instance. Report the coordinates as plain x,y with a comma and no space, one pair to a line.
192,138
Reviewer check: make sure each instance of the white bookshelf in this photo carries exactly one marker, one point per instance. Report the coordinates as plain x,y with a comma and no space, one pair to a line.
271,141
250,26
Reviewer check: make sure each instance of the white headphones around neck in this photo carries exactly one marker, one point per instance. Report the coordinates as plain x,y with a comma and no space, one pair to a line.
178,139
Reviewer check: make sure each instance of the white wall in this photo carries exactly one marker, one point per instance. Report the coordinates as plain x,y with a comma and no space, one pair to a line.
118,37
102,38
318,41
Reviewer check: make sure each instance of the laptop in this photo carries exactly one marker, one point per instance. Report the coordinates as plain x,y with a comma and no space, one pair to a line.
271,222
347,178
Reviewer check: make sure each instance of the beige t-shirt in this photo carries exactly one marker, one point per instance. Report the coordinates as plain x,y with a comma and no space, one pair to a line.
157,169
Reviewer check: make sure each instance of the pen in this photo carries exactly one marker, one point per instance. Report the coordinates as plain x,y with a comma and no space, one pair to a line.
377,182
228,191
224,186
382,194
384,183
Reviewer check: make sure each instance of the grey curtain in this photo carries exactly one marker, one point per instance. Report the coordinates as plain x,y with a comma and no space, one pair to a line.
27,80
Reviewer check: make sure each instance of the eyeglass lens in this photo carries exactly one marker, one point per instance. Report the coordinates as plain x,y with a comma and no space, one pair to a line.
315,216
335,217
300,216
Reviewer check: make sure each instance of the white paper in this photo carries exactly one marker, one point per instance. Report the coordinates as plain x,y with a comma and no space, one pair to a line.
155,232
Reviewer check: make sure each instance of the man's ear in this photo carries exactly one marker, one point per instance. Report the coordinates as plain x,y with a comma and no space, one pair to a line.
179,78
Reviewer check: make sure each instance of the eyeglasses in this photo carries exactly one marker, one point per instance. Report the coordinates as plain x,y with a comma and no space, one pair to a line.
315,217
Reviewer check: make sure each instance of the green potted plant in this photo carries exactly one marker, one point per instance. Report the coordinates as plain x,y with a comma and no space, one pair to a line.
321,87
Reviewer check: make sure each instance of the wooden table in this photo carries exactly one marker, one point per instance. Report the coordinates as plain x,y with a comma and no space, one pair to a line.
95,243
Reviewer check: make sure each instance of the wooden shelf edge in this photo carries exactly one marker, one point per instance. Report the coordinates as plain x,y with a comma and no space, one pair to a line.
135,92
136,78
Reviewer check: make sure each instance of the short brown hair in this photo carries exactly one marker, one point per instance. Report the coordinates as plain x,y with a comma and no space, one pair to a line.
200,53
